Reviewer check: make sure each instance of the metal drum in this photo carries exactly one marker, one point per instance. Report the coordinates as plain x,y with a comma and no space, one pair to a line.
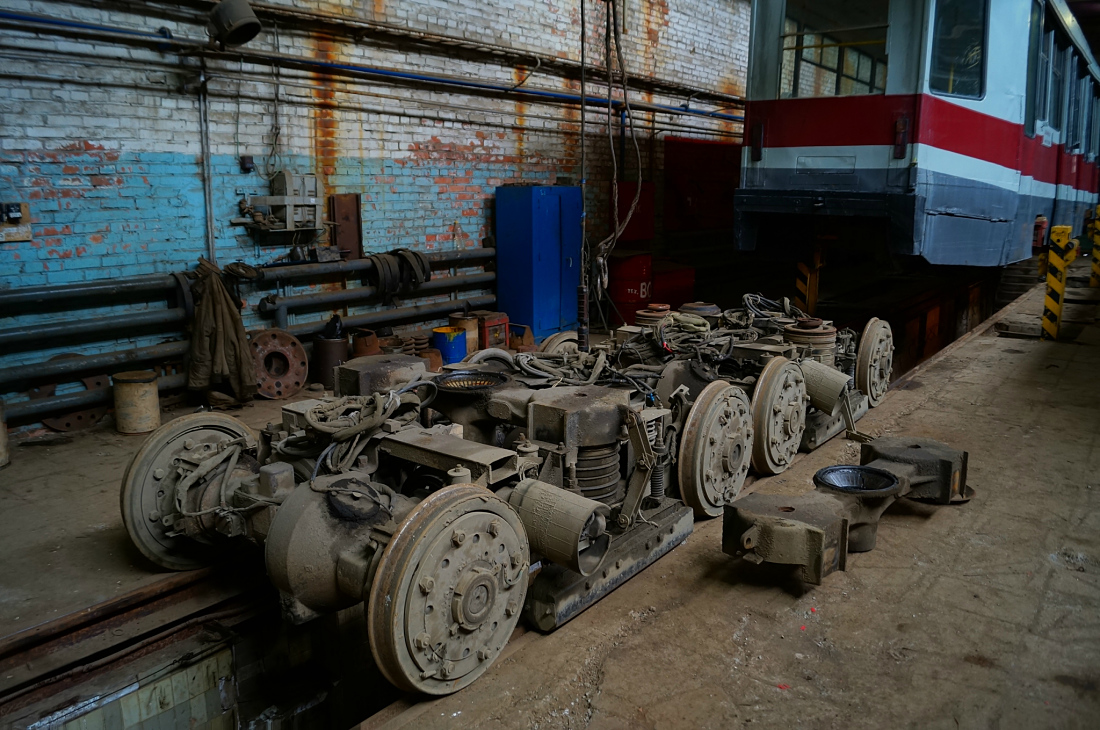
816,335
327,356
137,402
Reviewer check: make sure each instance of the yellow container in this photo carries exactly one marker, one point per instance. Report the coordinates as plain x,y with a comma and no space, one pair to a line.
137,402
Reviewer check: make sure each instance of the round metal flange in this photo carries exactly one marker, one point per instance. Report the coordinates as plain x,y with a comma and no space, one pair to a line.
149,485
875,360
715,448
778,415
449,590
281,363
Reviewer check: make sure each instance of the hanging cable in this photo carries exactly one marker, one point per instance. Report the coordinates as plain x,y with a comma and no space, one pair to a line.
582,290
604,248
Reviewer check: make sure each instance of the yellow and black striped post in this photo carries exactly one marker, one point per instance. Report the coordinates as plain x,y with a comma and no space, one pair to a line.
1094,234
1062,252
807,281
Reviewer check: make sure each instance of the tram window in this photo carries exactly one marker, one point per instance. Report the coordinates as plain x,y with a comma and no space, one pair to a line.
1073,118
1034,68
1082,112
1094,129
1076,120
833,48
958,47
1057,85
1042,86
1086,116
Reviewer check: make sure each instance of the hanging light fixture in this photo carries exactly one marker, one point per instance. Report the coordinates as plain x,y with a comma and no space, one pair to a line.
232,23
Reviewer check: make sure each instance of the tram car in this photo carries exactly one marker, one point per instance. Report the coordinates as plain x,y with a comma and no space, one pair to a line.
965,125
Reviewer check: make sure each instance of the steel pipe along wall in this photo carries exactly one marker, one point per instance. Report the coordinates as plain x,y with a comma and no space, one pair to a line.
32,409
33,296
401,315
360,295
22,411
167,283
117,323
108,361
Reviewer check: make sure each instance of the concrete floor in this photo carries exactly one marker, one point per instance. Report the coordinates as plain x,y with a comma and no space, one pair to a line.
63,542
983,614
978,615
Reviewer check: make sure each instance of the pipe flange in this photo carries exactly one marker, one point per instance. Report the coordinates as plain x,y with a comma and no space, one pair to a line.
281,363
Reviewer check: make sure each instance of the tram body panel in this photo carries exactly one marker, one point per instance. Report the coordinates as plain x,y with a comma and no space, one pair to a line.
956,174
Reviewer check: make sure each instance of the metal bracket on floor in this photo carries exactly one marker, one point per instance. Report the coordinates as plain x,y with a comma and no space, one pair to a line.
817,530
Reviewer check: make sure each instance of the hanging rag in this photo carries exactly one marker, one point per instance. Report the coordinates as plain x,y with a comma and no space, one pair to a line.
220,350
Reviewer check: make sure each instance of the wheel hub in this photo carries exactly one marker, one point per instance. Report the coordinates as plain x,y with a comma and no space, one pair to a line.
875,360
474,597
779,412
450,588
788,423
715,447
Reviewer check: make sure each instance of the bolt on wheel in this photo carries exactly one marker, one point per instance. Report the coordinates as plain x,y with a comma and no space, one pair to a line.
778,415
449,590
715,449
875,360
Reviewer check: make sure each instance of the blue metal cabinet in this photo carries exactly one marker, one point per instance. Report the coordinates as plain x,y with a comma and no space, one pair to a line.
539,256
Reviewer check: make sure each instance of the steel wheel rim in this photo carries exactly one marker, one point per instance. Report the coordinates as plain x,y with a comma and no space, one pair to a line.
715,449
875,360
143,492
434,626
779,415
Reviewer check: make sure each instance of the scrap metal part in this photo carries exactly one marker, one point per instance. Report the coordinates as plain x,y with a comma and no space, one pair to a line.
817,530
558,594
376,373
281,363
820,426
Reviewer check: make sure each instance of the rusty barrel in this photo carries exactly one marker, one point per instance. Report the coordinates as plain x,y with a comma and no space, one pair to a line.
137,402
328,354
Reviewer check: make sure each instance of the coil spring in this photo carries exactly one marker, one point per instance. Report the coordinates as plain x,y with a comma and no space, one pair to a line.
598,472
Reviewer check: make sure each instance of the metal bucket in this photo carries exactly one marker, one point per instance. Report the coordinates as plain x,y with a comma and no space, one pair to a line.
233,23
137,402
451,343
365,343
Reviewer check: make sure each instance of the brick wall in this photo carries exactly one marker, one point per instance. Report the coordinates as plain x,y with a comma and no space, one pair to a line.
102,139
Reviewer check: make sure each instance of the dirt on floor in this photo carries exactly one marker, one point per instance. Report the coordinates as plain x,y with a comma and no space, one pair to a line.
978,615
